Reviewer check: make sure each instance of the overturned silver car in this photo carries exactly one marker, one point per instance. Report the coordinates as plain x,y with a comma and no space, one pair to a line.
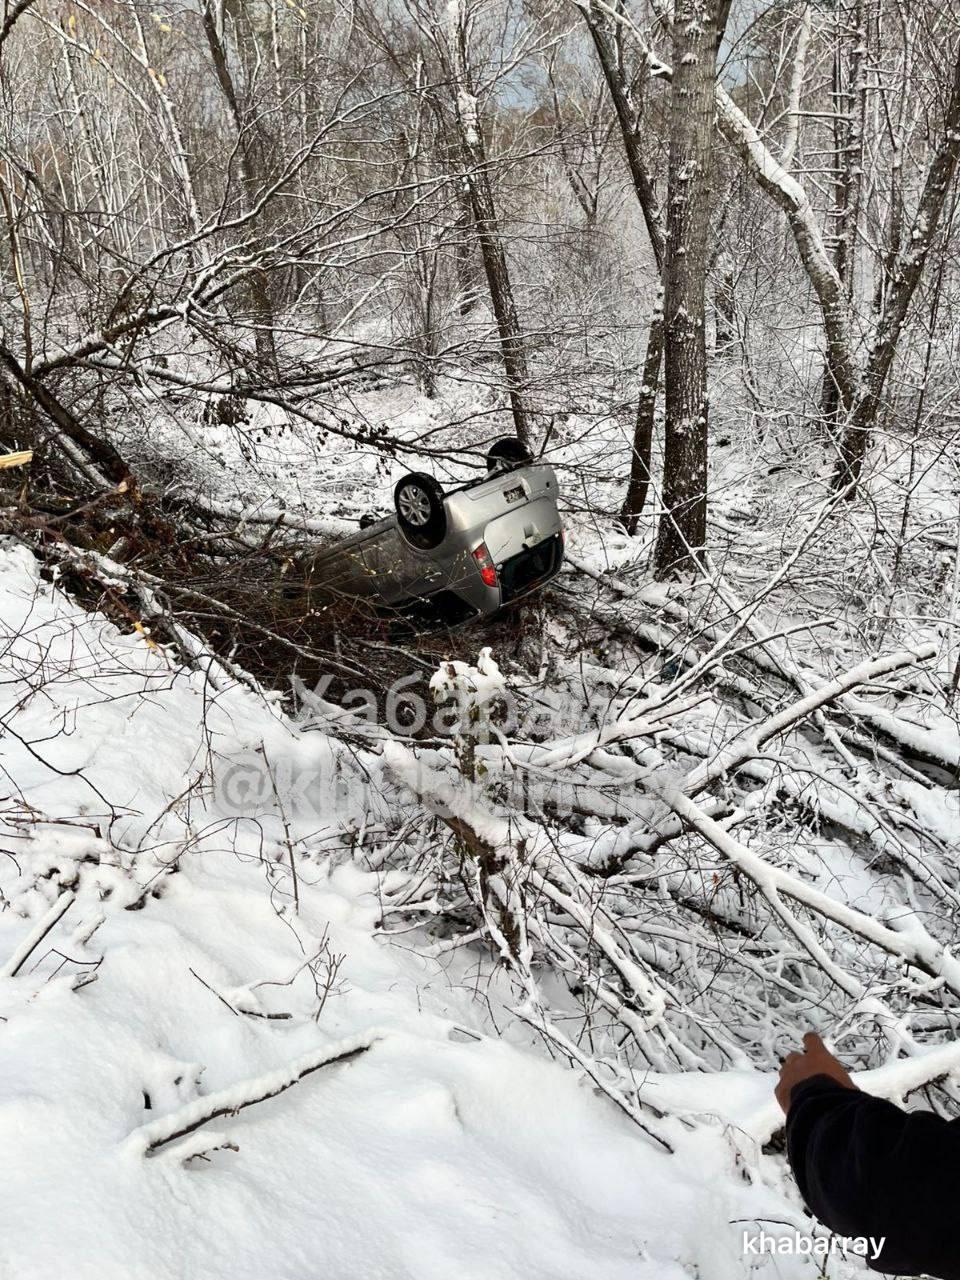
445,558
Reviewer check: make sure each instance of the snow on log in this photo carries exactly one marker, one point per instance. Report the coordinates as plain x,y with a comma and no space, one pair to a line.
911,943
749,745
227,1102
325,527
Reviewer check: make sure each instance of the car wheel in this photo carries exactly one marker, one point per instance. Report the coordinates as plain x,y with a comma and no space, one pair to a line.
420,512
506,453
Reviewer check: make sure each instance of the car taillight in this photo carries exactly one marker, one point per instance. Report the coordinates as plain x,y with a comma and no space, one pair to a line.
488,570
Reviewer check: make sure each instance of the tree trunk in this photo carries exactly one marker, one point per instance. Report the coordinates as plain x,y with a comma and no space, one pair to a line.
859,398
849,107
907,273
468,279
817,263
11,14
683,525
252,168
628,119
96,459
639,483
488,230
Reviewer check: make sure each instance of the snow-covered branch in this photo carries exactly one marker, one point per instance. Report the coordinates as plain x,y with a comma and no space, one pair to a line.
149,1138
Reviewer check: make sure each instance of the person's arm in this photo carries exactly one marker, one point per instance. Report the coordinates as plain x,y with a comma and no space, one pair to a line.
866,1168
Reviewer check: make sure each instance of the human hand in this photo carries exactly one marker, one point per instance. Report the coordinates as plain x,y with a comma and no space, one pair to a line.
816,1060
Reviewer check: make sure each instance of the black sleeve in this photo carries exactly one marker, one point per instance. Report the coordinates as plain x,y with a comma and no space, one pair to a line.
866,1168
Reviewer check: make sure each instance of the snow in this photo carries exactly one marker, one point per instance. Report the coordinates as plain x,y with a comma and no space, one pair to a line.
437,1150
472,689
432,1153
290,987
181,974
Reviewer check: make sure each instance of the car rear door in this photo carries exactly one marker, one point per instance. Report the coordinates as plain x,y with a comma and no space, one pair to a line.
521,528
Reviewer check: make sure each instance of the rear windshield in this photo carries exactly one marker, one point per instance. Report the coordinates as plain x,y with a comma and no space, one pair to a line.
523,571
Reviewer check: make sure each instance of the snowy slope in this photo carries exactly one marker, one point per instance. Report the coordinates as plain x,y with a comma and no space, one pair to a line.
441,1151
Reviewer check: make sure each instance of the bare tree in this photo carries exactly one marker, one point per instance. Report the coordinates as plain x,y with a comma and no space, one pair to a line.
607,40
460,21
253,166
859,391
682,533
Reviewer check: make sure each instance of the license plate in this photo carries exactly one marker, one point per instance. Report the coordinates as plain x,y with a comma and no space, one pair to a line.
514,495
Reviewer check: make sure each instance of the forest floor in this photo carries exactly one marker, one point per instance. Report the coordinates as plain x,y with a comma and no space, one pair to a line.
182,967
162,939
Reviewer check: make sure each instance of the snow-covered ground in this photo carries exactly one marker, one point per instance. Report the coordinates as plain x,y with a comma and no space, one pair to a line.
769,484
182,966
193,890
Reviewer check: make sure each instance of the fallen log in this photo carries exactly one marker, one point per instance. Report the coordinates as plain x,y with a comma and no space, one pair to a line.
149,1138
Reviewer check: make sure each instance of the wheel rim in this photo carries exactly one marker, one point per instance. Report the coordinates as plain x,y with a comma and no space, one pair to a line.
414,505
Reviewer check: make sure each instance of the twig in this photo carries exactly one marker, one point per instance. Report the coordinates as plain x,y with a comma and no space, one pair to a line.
19,459
37,934
149,1138
221,998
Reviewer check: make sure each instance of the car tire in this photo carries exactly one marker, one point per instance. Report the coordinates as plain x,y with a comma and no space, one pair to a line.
421,516
506,453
